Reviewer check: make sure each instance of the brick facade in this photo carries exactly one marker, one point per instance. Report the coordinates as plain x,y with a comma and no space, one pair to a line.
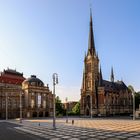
98,96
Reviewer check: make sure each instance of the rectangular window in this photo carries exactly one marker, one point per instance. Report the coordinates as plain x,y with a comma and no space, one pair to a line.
39,100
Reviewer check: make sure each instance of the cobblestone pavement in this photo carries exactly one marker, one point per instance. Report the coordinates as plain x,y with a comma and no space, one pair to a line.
83,129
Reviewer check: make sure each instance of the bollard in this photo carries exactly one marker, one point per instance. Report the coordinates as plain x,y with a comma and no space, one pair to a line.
72,122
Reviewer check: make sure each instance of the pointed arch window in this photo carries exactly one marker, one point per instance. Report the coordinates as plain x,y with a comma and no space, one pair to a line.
88,100
88,68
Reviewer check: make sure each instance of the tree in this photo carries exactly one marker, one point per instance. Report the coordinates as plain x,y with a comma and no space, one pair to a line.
131,89
137,96
76,109
59,108
137,99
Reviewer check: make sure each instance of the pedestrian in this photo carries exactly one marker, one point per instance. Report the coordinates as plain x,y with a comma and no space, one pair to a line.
72,122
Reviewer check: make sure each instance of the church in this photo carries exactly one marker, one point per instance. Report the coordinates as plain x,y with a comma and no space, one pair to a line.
100,97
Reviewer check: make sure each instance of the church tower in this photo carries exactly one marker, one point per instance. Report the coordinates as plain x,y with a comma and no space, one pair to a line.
89,97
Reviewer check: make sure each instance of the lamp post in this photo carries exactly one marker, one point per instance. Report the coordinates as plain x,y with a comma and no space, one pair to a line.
66,110
133,94
6,106
91,106
21,106
55,81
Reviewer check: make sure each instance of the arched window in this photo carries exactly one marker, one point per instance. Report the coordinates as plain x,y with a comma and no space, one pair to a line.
88,101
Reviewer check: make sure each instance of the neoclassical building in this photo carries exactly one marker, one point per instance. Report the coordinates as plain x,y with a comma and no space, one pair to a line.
29,95
10,90
38,99
99,96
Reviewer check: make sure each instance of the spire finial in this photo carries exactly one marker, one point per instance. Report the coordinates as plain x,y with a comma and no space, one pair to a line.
112,75
100,77
90,4
91,45
97,55
90,14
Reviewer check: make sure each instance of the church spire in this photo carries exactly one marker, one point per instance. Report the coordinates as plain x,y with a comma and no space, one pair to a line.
112,75
83,80
91,45
100,77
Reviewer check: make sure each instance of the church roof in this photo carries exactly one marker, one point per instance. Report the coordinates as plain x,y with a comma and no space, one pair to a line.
11,76
119,85
12,72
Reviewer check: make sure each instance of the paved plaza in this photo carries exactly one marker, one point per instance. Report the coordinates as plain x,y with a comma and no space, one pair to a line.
83,129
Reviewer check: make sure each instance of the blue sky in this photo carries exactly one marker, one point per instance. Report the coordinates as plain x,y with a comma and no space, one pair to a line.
45,36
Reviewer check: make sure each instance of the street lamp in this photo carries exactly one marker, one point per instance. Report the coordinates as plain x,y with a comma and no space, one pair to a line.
91,106
55,81
21,106
6,106
66,110
133,94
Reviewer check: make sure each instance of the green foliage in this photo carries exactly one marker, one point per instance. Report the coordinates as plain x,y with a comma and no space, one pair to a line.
71,113
137,99
131,89
59,108
76,109
137,96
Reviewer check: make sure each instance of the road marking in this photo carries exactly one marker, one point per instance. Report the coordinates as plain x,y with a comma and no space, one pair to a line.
16,130
28,131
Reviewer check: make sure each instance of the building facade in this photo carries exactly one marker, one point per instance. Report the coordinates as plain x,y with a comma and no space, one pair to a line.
10,89
29,95
38,99
99,96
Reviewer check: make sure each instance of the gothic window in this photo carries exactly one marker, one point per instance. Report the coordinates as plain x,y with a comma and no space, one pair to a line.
88,101
89,67
89,84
